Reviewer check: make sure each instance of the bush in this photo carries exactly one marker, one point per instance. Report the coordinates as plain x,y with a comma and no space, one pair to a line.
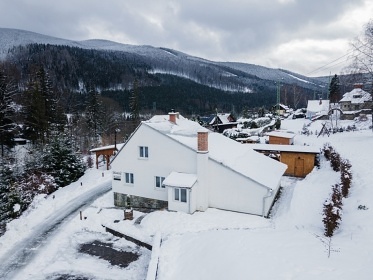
327,149
346,177
335,161
332,212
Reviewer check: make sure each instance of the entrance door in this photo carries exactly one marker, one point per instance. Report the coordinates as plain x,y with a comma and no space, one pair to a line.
299,167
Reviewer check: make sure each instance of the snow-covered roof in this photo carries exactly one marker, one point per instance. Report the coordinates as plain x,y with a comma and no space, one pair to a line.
179,179
286,148
224,118
281,134
356,96
224,150
119,146
318,106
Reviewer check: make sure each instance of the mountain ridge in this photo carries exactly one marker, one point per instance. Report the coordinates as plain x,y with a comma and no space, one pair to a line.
17,37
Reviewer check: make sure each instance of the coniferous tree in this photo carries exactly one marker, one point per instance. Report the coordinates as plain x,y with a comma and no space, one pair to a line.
7,125
134,105
134,101
61,162
9,196
43,116
93,113
334,90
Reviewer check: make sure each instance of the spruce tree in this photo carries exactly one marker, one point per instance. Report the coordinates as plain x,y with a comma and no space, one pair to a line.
134,105
7,126
93,112
9,196
61,162
334,90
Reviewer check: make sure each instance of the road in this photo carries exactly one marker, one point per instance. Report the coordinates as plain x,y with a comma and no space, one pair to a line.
23,251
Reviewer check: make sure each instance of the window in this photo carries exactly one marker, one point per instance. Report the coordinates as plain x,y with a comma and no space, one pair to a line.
181,195
144,152
129,178
158,182
117,176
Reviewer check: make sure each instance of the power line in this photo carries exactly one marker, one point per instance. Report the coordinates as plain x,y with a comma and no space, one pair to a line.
325,66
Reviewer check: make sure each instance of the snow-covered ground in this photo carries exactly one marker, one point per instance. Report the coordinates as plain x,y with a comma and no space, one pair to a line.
218,244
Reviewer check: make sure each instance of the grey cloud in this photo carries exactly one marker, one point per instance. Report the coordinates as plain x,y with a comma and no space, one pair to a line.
225,30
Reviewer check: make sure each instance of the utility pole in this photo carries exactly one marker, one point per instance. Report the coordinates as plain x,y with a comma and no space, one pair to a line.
278,96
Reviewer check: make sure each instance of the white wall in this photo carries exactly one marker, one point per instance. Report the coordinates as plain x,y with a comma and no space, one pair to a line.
232,191
187,207
165,155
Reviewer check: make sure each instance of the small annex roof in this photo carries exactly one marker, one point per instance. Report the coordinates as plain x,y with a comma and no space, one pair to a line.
286,148
281,134
180,180
356,96
223,150
119,146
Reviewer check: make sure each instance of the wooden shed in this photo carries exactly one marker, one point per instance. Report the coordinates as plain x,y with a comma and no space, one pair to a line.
281,138
300,159
107,152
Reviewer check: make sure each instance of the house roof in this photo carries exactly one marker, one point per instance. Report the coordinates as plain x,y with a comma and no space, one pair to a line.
318,106
119,146
281,134
179,179
286,148
224,118
232,154
356,96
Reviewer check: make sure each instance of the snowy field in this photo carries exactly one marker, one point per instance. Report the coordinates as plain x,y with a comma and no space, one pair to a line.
218,244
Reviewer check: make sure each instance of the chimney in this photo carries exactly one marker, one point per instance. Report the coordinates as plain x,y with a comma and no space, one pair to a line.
358,85
202,202
172,116
202,141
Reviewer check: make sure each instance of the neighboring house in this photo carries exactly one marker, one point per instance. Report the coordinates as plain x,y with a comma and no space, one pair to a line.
281,137
222,121
106,152
282,109
300,159
317,109
248,140
355,102
170,161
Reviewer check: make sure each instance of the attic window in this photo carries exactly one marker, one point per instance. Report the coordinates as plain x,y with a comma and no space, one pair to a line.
144,152
356,96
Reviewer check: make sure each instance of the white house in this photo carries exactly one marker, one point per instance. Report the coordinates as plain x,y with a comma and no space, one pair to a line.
170,161
317,108
356,101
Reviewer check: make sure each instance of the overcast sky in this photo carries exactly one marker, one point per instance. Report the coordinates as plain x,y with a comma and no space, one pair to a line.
297,35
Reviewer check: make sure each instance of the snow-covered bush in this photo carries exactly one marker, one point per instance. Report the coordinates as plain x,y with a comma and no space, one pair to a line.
335,161
346,177
332,212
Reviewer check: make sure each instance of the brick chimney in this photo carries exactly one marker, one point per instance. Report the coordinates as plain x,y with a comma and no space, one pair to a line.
202,202
172,116
202,141
358,85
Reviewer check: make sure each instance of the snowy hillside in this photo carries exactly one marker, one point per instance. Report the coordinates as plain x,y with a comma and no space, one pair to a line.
170,61
278,75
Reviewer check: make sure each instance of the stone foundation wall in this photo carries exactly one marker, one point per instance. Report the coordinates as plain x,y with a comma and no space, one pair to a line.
122,200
